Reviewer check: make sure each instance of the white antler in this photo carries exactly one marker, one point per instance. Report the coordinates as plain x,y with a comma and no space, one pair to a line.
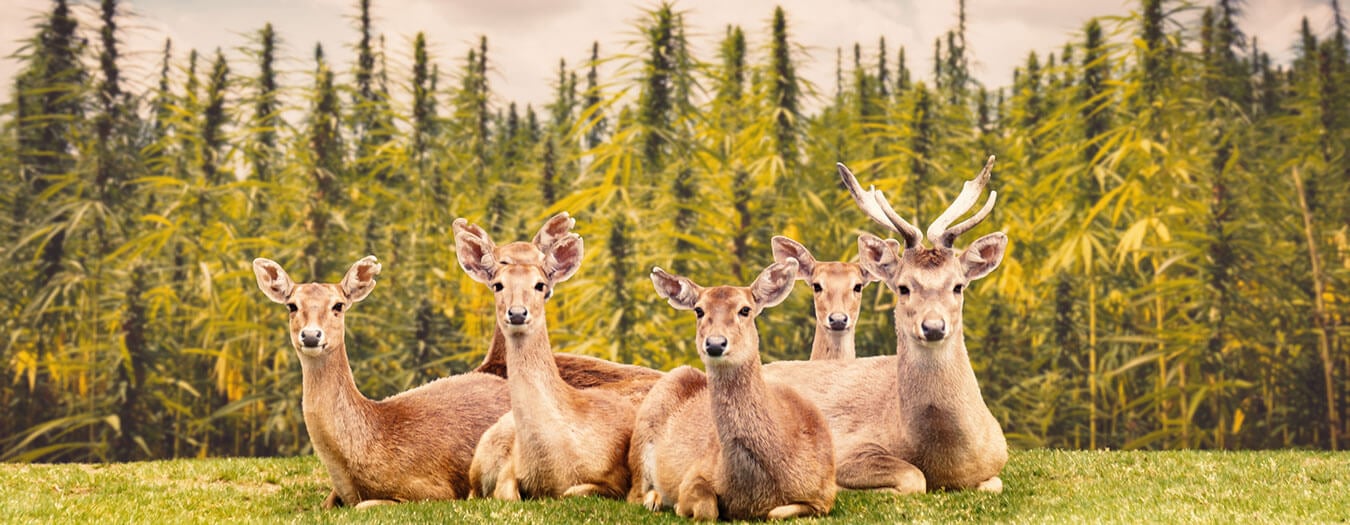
876,207
939,233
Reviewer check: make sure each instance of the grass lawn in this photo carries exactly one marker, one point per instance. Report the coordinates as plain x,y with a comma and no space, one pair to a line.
1041,486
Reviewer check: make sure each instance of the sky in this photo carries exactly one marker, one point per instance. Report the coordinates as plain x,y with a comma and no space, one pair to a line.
526,38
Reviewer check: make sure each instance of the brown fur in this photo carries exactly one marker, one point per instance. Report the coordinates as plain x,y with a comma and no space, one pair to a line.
836,288
558,440
416,445
728,444
916,420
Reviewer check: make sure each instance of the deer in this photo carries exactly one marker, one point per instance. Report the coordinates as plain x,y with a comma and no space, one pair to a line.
577,370
836,294
558,440
914,421
415,445
727,444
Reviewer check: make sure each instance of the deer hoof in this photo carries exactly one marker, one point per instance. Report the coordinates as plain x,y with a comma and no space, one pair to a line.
789,511
582,490
374,503
652,500
993,485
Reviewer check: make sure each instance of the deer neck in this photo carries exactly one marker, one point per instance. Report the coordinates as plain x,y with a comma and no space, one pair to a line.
741,412
935,374
533,374
832,344
337,415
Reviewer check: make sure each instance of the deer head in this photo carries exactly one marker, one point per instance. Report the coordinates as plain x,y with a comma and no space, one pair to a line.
317,310
928,282
726,334
836,286
522,275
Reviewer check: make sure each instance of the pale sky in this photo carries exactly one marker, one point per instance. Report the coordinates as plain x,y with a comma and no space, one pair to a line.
527,37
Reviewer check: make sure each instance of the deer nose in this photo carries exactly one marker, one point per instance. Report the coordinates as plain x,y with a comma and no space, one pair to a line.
934,329
517,315
715,345
838,321
310,337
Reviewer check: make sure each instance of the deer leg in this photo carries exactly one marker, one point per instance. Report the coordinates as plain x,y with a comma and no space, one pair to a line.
697,499
374,503
871,467
508,488
993,485
652,500
793,510
333,500
582,490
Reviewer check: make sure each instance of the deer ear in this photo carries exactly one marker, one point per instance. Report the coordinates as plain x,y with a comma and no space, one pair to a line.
553,230
785,248
360,279
462,225
878,258
680,292
774,283
564,258
273,280
984,255
475,256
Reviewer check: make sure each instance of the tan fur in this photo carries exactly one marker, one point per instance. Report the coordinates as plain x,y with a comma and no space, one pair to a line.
558,440
914,421
416,445
836,288
728,444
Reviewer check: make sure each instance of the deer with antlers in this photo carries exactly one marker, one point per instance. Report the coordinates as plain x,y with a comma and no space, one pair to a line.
558,439
728,444
914,421
416,445
836,289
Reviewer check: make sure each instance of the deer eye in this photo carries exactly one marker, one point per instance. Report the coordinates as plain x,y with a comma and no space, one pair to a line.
293,307
745,311
699,312
957,289
857,288
337,308
497,287
817,287
539,287
904,290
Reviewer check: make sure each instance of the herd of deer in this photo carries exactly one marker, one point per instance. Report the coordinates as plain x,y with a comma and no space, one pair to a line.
740,439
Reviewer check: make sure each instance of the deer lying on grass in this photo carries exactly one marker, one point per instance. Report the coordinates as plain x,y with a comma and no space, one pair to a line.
558,440
728,444
416,445
837,295
916,420
577,370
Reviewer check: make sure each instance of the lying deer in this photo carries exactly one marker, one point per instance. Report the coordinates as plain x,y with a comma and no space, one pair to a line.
577,370
728,444
837,295
416,445
558,440
916,420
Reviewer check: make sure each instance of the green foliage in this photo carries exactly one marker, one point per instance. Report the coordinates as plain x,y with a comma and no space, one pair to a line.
1156,293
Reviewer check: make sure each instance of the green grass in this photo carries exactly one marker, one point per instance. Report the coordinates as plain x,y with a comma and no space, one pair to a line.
1042,486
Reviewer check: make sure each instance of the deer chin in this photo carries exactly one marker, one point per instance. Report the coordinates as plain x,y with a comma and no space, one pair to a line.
311,351
517,329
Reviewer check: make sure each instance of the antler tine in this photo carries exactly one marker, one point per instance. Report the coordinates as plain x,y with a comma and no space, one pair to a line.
939,232
875,206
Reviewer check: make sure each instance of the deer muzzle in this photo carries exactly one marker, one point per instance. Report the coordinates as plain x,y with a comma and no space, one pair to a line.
837,321
517,315
715,345
933,329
